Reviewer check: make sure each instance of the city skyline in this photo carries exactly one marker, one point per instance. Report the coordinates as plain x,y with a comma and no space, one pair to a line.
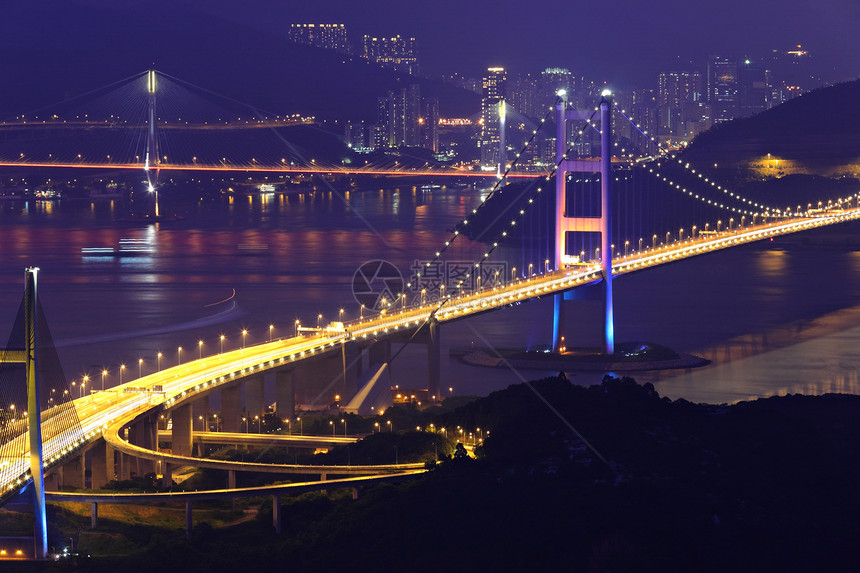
456,37
641,40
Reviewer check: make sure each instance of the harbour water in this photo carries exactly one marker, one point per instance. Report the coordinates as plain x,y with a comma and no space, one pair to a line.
774,317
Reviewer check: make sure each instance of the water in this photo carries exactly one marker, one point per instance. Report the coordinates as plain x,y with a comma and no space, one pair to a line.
255,261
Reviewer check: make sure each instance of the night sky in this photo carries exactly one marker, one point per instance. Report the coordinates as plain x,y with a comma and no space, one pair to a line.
635,39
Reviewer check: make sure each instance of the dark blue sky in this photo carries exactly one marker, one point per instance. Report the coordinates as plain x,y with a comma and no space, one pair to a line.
607,40
625,42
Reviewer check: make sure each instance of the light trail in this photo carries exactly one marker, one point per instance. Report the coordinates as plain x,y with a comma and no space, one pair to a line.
103,414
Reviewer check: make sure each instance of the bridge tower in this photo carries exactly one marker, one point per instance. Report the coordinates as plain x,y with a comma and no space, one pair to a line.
152,157
34,416
601,224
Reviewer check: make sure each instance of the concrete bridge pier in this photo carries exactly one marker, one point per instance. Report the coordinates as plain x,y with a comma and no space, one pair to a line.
254,403
276,512
231,479
285,393
434,359
230,408
166,474
351,356
181,438
101,465
71,473
188,520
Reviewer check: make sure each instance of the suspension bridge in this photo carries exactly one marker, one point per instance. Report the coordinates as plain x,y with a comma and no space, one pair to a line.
586,219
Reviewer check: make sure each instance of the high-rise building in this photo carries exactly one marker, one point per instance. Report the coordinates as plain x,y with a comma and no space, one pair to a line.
397,53
493,96
398,118
753,88
430,124
722,93
326,36
679,105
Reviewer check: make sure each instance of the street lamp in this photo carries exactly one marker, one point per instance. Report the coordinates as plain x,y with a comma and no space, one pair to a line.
121,368
301,426
390,425
271,327
85,379
104,373
200,350
344,426
258,424
546,266
376,425
330,423
654,241
244,334
530,268
179,355
319,321
221,340
245,419
298,324
158,362
340,315
140,367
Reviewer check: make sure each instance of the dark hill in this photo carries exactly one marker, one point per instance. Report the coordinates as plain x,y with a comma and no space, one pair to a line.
58,49
820,130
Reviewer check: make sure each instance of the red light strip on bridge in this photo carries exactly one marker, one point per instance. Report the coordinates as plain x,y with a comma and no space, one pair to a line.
259,169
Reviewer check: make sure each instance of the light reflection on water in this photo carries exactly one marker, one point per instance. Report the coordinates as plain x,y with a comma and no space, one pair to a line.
742,308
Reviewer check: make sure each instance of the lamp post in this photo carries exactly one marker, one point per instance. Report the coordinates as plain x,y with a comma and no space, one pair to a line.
298,324
301,426
200,350
271,328
344,426
330,423
221,340
245,419
530,269
158,362
546,266
121,368
84,380
390,425
179,355
140,367
244,334
104,373
319,321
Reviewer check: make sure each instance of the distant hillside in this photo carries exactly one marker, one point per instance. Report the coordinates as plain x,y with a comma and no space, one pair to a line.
816,133
57,49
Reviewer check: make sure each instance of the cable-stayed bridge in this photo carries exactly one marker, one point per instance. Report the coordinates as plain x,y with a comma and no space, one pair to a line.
597,219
